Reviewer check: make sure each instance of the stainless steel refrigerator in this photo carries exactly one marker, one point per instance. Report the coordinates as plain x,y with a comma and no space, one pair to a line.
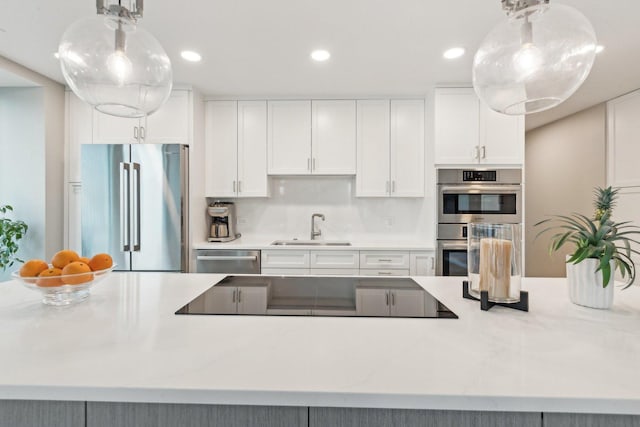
134,204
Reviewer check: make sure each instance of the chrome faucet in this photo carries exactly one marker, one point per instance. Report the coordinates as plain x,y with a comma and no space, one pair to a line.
315,233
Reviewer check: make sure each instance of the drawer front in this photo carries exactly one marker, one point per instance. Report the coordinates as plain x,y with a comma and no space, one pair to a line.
285,259
387,272
334,259
384,260
334,271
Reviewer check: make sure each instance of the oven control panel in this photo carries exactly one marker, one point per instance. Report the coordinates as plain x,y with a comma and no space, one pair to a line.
476,175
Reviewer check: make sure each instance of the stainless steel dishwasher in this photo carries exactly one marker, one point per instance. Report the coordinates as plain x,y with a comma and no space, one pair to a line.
228,261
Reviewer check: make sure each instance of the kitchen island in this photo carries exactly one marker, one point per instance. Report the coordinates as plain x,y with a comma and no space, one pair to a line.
125,344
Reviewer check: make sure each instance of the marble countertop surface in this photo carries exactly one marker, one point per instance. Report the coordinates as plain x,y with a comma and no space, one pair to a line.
264,242
126,344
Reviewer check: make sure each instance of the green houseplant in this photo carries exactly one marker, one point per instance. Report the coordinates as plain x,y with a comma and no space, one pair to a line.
599,242
11,231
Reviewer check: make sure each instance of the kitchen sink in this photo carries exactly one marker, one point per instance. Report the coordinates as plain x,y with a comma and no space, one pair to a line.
310,243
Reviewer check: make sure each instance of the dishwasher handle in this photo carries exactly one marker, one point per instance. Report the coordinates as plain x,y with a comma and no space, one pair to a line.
227,258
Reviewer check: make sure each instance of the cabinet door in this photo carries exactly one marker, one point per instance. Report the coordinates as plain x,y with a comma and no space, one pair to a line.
407,302
623,150
333,137
170,124
115,130
221,300
372,175
501,138
252,300
456,126
372,302
252,149
407,148
422,263
78,123
289,137
221,142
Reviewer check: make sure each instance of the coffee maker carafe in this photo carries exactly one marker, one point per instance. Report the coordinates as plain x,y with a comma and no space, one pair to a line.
222,222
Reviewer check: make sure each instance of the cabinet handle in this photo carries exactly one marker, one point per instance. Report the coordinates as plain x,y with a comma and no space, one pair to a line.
386,294
233,296
142,132
384,273
239,186
239,295
135,132
477,155
393,186
234,186
484,152
433,263
313,164
308,164
384,260
393,298
386,187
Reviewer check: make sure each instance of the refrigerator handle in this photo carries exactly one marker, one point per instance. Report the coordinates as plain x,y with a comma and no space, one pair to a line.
125,211
136,207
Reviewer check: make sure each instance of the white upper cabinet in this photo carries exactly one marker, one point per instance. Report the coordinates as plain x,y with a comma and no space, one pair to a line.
236,149
467,132
407,148
312,137
170,124
390,148
623,133
333,137
252,149
289,137
221,150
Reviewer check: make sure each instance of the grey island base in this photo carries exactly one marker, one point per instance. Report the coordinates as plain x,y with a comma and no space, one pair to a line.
124,358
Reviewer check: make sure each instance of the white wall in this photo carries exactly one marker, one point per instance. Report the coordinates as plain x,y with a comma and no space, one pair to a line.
287,213
22,165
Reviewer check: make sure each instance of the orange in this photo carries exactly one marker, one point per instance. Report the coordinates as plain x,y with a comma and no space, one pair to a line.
47,278
64,257
84,259
33,267
100,262
76,269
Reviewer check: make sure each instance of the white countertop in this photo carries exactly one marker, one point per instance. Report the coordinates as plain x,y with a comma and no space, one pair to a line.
126,344
265,243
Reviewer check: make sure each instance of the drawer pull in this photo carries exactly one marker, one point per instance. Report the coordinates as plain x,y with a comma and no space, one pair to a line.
385,260
384,273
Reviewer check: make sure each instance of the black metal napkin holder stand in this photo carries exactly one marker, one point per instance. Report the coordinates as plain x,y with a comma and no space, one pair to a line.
485,304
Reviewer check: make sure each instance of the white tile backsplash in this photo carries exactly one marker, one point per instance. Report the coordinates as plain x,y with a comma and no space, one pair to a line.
287,213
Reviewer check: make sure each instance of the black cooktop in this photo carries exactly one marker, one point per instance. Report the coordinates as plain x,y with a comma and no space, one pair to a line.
318,296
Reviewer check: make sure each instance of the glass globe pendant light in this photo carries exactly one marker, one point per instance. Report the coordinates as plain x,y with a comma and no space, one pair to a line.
535,59
113,64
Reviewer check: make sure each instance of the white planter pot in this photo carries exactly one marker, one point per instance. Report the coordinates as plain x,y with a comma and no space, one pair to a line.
585,284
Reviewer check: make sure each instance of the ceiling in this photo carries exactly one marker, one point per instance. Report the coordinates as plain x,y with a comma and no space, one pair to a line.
260,48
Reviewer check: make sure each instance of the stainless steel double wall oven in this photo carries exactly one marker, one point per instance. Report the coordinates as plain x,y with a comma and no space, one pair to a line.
472,195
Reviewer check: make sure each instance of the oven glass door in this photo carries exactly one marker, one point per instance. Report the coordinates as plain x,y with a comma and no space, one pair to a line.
454,262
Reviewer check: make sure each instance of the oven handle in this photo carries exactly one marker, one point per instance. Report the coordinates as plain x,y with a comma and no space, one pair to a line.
453,245
481,189
226,258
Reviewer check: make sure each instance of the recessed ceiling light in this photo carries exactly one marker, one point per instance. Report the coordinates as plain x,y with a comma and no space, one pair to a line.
454,52
320,55
191,56
599,48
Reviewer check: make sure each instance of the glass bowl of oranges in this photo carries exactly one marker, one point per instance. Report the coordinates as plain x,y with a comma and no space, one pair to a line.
67,279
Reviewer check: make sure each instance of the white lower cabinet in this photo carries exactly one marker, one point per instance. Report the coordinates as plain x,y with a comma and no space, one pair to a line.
334,259
384,263
285,259
422,263
237,300
379,301
334,271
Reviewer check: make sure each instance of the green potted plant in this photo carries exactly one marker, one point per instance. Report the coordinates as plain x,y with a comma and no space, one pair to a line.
11,231
601,246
